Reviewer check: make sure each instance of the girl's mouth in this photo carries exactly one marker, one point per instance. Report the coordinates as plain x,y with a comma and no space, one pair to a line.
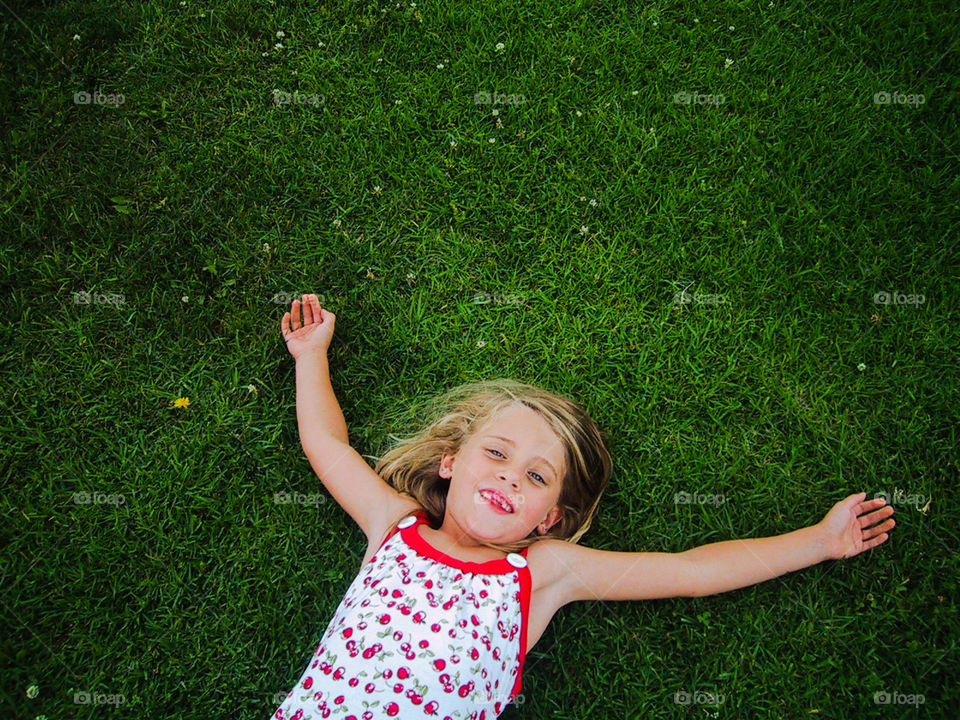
496,501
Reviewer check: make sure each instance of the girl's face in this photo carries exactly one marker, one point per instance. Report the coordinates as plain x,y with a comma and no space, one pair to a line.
516,455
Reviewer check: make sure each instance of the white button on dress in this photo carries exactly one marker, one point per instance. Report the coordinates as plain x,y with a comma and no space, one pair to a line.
517,560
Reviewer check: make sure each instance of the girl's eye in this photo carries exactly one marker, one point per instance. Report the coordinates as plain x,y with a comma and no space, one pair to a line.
540,479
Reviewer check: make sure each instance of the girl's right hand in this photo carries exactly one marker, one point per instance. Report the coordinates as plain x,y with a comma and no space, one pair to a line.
316,332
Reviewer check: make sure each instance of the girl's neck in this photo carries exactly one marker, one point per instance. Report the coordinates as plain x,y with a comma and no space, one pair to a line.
444,544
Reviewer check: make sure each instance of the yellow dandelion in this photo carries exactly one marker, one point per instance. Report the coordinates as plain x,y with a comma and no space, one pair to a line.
181,402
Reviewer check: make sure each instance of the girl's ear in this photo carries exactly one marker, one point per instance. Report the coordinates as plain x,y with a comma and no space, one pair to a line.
553,517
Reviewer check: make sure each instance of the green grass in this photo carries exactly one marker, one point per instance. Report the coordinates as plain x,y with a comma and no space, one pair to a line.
797,199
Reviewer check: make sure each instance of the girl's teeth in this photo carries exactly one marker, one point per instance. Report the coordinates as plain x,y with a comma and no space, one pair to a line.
498,502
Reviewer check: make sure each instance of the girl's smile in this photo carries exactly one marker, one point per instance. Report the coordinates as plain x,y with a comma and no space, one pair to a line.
504,481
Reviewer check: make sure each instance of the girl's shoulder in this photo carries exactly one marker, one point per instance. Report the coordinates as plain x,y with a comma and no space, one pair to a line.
547,560
400,508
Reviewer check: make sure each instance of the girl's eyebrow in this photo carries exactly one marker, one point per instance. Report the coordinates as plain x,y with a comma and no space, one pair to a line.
538,457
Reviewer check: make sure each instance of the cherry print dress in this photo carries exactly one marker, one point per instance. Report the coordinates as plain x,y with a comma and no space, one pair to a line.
419,634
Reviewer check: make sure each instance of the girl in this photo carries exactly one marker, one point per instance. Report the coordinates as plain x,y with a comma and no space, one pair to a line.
472,528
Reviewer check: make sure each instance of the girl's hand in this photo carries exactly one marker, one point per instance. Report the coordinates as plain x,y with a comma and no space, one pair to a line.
845,533
317,330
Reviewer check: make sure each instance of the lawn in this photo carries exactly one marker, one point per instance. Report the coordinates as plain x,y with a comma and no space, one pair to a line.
728,229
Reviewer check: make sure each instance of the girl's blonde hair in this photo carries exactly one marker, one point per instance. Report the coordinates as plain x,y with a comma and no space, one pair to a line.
412,466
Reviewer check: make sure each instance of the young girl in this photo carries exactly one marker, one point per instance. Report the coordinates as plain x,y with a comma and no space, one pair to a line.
472,528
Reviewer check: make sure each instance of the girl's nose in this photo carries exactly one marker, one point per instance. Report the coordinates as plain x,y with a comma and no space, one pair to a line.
510,477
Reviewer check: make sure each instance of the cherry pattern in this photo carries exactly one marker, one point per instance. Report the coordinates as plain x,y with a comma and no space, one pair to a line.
419,634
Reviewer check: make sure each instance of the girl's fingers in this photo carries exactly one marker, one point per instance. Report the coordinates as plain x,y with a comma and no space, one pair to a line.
875,517
308,310
295,319
315,304
285,323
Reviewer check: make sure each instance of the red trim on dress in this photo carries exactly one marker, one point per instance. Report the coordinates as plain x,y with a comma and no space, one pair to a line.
492,567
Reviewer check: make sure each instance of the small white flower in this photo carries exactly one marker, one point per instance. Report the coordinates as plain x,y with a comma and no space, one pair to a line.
861,367
185,299
733,27
650,130
320,44
491,140
656,24
635,92
728,62
33,691
280,34
203,14
494,112
439,66
453,143
584,229
397,102
582,199
76,37
266,247
500,47
263,54
480,343
579,113
696,20
336,223
593,203
252,389
278,46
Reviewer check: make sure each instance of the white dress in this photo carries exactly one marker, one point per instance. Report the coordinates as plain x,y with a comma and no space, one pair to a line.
419,634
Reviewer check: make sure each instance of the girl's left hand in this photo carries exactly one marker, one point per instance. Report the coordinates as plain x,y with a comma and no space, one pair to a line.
846,534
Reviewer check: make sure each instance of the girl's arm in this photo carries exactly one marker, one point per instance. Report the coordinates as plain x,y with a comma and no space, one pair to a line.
589,574
843,533
355,486
317,408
